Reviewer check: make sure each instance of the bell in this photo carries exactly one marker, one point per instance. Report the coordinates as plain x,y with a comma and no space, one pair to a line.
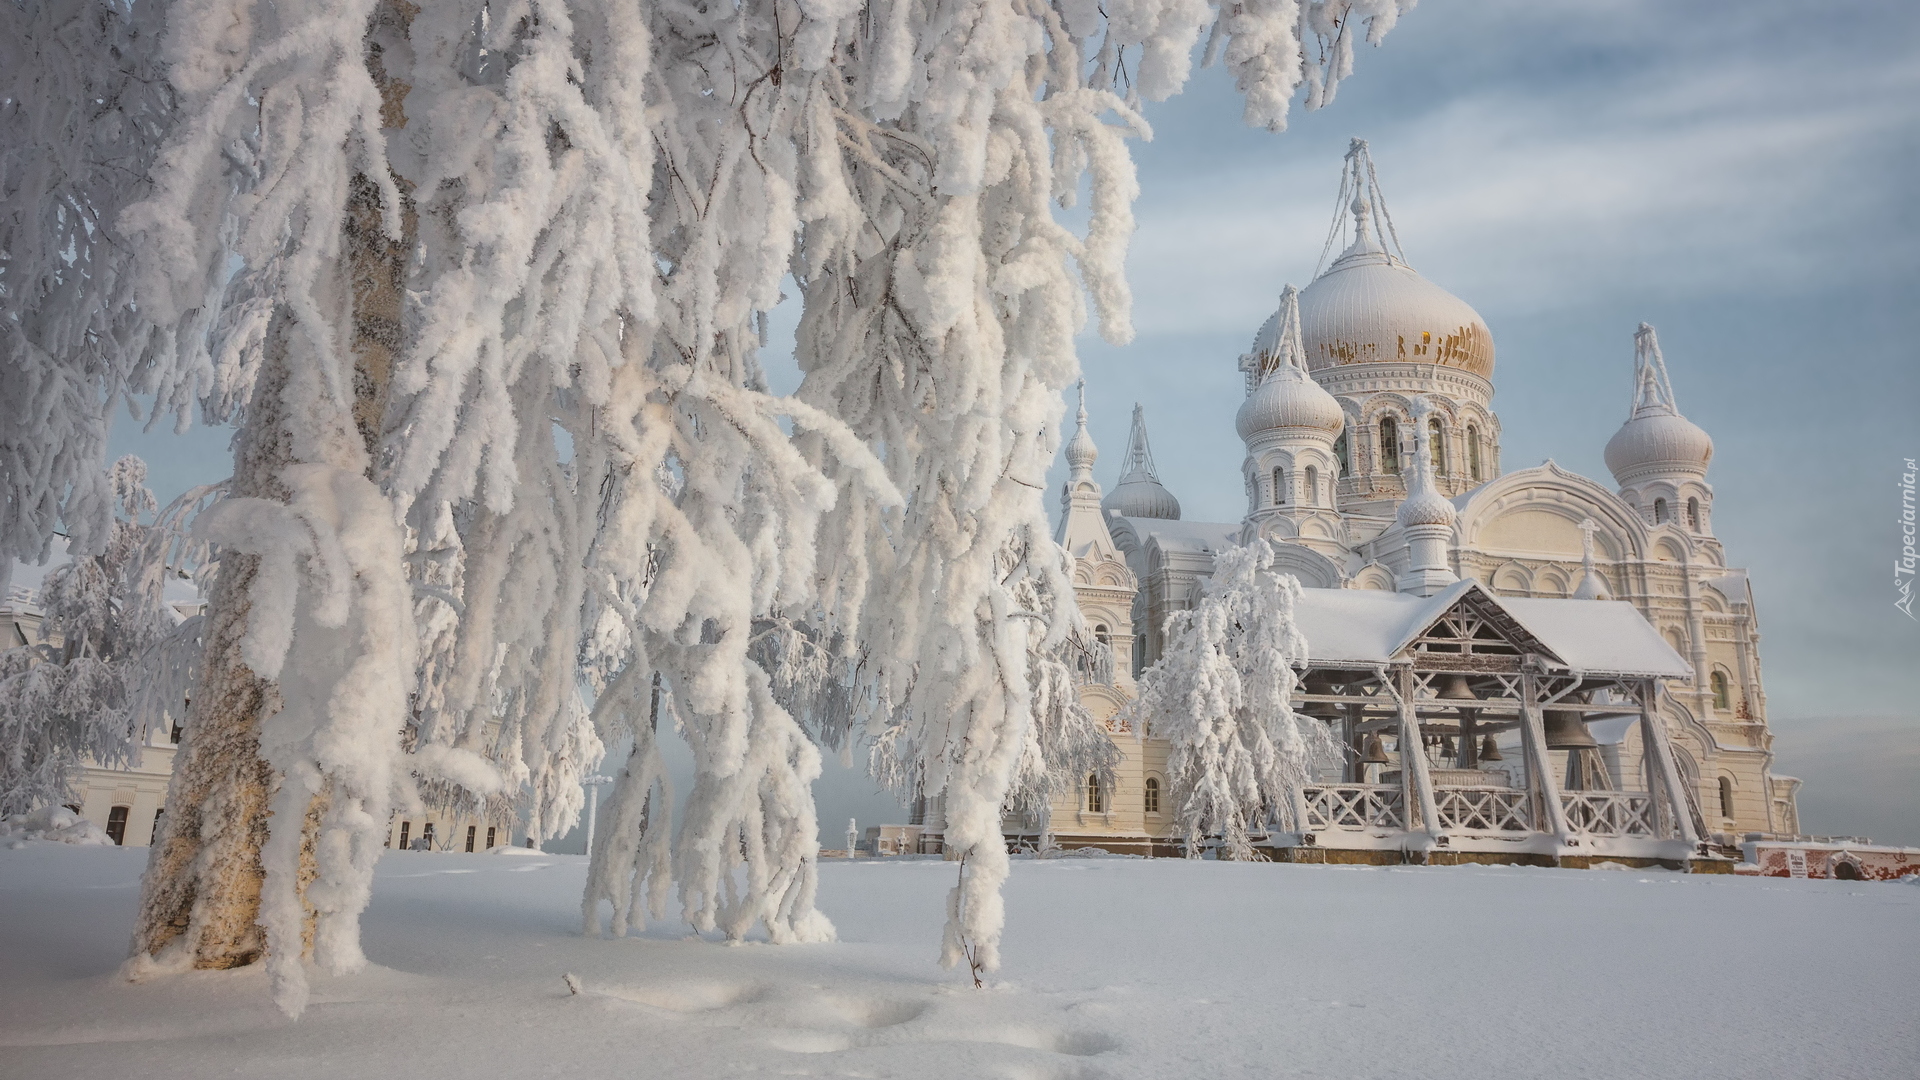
1490,750
1446,746
1454,688
1566,730
1373,751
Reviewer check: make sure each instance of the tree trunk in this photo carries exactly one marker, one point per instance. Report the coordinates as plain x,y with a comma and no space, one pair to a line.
201,892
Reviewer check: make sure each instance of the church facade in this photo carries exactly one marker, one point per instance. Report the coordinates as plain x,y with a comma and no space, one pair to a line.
1529,664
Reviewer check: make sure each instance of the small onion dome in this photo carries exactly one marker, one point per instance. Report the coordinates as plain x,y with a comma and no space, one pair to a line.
1425,506
1289,400
1141,496
1371,308
1658,442
1081,453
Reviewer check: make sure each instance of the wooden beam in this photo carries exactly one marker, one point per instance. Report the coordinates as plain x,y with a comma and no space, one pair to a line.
1533,736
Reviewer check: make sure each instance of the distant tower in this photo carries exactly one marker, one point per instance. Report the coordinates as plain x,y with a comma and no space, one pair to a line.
1426,517
1139,492
1659,457
1289,425
1103,584
1378,335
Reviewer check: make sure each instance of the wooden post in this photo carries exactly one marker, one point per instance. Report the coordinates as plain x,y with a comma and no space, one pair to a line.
1653,740
1415,781
1553,816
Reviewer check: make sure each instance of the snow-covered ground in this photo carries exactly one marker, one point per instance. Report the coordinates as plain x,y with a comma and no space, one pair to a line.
1115,968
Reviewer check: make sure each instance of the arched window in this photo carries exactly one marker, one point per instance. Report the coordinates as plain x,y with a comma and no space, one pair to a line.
1389,444
1101,634
1153,795
1340,454
1473,451
1693,514
1722,693
1659,511
1726,796
117,824
1279,486
1437,444
1096,800
1313,486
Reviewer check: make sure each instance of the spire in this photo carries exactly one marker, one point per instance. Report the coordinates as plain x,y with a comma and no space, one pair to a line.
1081,453
1373,232
1139,492
1139,454
1287,352
1592,585
1652,393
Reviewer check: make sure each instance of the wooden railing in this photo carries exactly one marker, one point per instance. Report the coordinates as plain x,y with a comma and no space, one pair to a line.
1354,806
1484,809
1610,813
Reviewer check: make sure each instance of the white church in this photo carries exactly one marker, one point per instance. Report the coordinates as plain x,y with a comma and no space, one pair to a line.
1528,666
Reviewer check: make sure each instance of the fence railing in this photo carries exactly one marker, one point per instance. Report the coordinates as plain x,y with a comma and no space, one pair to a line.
1610,813
1354,806
1484,809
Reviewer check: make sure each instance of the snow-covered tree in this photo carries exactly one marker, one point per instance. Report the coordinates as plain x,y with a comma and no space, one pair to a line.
104,670
83,109
483,282
1219,695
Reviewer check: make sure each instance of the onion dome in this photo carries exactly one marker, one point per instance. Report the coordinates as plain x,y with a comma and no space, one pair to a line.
1287,398
1139,494
1370,307
1287,401
1656,438
1081,453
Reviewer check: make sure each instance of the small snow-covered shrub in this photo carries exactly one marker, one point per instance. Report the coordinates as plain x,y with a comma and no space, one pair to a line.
56,824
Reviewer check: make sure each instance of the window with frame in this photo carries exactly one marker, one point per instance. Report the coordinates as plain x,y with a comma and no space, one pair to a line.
1473,451
1693,514
1722,690
1726,796
1389,444
1659,511
1313,486
1153,795
1279,487
1096,799
1437,443
473,833
490,834
117,824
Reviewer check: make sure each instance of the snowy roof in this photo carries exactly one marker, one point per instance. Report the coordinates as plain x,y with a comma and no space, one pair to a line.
1367,626
1733,586
1207,536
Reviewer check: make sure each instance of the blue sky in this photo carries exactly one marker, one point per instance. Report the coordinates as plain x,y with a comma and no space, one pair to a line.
1739,175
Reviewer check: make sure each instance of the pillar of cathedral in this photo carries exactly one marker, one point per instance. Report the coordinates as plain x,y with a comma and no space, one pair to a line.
1427,518
1289,425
